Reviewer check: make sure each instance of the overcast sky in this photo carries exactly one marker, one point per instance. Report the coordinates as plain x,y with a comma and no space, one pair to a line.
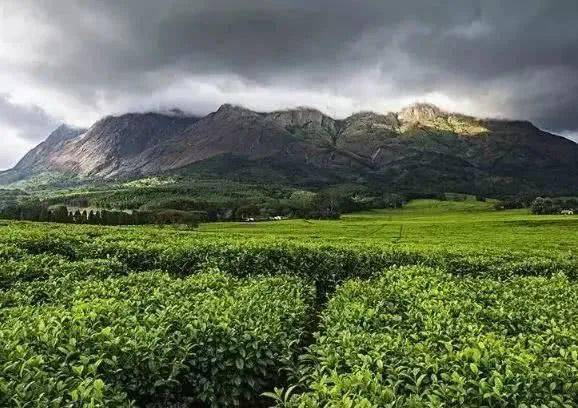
75,61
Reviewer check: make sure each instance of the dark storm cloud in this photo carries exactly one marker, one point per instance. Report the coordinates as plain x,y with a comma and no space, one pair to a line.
258,40
30,123
515,58
21,128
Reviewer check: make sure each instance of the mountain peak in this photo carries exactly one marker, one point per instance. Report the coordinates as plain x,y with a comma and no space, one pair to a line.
303,109
420,112
64,132
230,112
422,142
231,108
302,116
430,116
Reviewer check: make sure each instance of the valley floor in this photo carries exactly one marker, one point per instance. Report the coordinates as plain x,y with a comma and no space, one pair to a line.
427,223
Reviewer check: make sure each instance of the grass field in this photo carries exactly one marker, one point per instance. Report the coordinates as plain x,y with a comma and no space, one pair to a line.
429,223
438,304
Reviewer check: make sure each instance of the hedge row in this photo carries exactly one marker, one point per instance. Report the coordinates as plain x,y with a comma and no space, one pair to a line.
40,279
325,265
419,337
10,251
150,338
34,268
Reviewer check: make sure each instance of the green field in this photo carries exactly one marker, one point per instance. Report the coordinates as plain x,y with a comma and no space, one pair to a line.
438,304
430,223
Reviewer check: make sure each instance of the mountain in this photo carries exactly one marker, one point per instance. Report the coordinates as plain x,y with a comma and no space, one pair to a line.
421,148
34,161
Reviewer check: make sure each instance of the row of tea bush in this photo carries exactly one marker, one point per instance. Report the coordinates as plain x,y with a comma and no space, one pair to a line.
325,265
418,337
146,338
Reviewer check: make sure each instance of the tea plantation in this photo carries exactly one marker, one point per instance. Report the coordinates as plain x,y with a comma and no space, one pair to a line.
440,304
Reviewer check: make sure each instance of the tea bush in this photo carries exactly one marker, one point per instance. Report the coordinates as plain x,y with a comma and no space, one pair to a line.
419,337
39,279
148,337
32,268
183,252
115,317
27,269
10,251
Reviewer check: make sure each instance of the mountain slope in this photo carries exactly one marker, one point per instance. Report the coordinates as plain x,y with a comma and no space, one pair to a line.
34,161
421,148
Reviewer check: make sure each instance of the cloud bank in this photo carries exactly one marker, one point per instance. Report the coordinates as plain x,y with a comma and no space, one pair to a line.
74,62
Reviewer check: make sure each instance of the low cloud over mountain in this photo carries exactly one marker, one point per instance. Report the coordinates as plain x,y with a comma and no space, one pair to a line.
74,62
422,148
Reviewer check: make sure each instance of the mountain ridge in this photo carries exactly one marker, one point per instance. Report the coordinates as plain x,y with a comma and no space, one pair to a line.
420,141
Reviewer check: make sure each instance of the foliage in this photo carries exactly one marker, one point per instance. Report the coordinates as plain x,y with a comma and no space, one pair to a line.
60,213
112,316
328,252
419,337
514,202
553,205
152,338
215,199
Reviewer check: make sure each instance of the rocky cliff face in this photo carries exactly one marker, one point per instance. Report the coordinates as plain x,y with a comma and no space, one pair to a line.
119,145
420,143
37,160
50,146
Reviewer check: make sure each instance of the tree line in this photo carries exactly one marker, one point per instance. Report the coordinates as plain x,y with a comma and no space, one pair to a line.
328,204
547,205
61,214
